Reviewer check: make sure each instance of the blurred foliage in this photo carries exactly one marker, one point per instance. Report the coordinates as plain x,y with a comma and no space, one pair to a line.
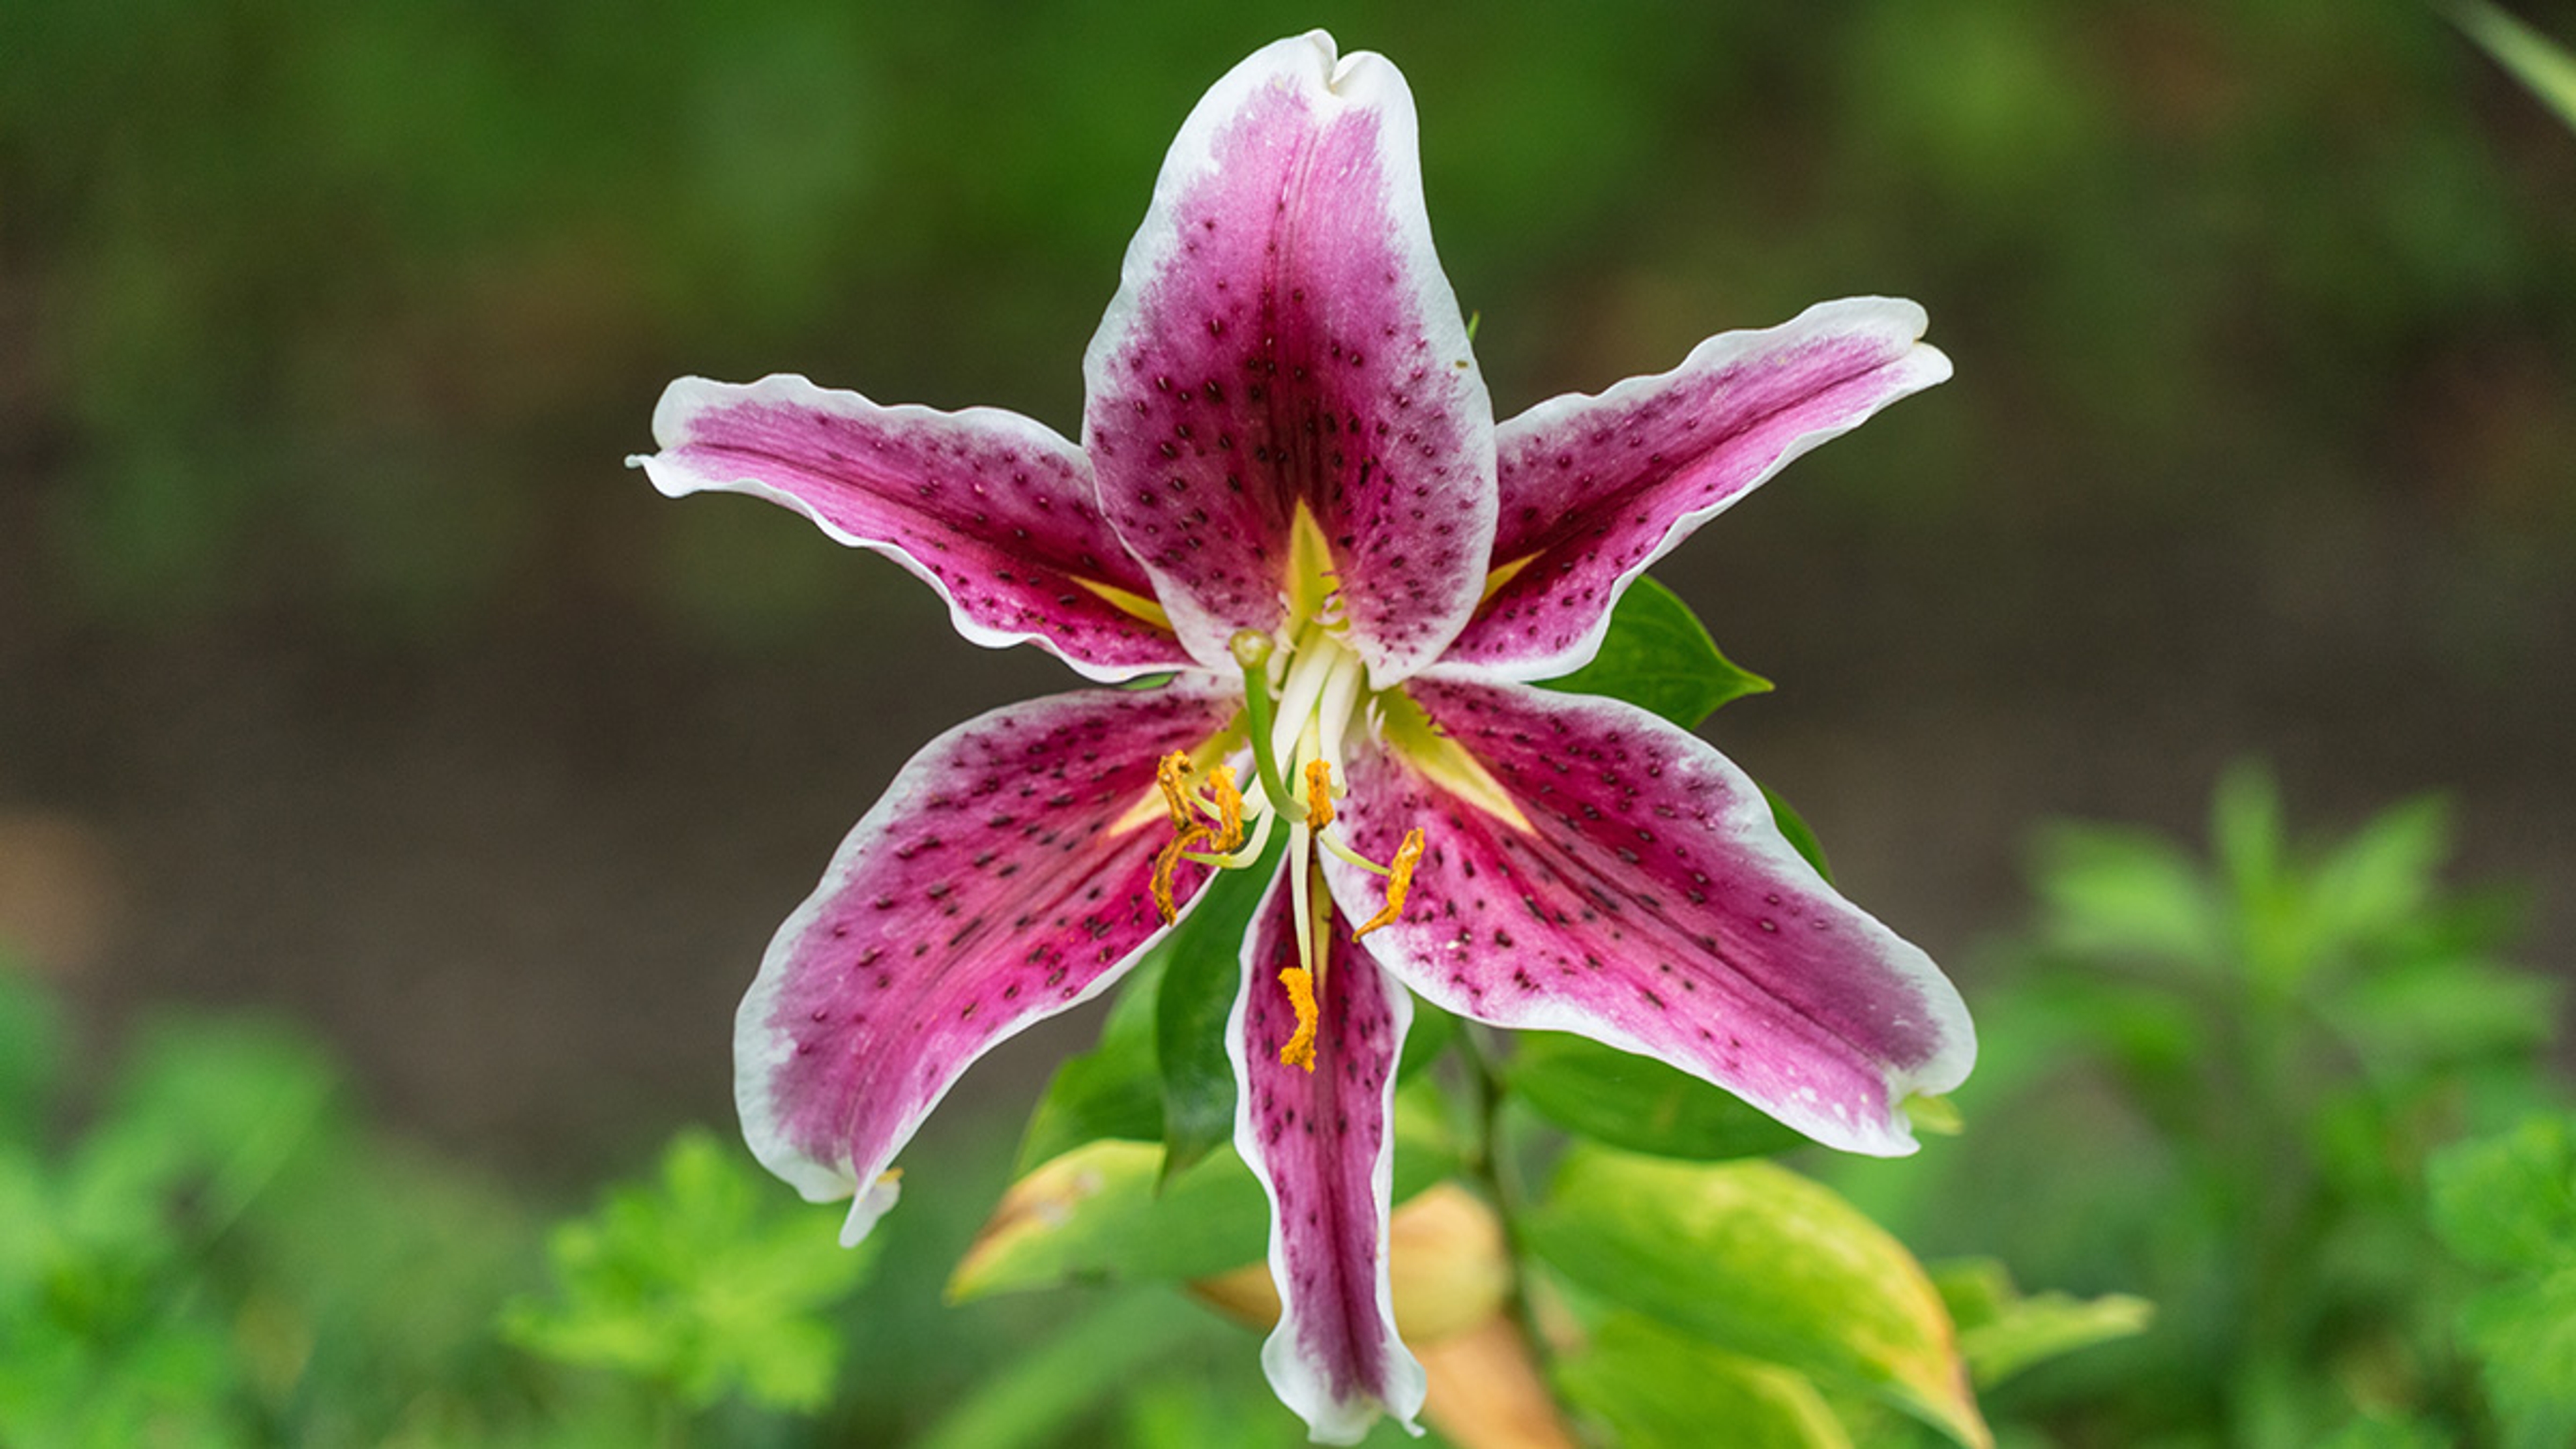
358,313
706,1284
2218,1082
2535,60
221,1257
2506,1205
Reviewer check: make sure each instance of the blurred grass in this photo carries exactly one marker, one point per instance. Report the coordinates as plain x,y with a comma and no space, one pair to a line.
349,308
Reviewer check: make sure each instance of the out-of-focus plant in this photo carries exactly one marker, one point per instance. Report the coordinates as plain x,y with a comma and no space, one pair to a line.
2506,1206
703,1284
2538,62
2217,1082
219,1256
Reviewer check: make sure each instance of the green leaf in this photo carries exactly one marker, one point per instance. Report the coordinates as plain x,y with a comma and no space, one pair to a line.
1104,1210
2128,894
1758,1261
1430,1035
1034,1396
1664,1390
2002,1332
2507,1204
1111,1090
1801,839
707,1282
1636,1102
1658,657
2385,876
1199,987
2541,64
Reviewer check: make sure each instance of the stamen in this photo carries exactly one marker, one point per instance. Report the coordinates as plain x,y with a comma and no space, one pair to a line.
1172,776
1229,808
1319,794
1300,1049
1170,861
1349,856
1251,851
1399,879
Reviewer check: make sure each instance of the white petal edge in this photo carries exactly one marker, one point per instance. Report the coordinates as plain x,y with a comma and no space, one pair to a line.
689,395
1296,1383
1921,366
1360,80
760,1047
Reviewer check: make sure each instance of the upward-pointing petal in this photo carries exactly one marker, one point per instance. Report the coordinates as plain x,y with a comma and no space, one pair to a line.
993,510
1283,339
1002,879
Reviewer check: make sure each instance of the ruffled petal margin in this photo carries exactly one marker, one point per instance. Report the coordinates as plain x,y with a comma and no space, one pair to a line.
1322,1145
1003,878
1283,339
1594,489
1645,899
992,509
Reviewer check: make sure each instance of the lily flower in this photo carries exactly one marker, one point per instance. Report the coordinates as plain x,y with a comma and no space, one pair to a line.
1292,498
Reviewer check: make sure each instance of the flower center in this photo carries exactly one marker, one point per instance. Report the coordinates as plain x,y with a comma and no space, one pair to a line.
1303,692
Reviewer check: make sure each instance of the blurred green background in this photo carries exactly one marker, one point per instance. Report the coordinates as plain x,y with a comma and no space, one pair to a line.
345,674
344,670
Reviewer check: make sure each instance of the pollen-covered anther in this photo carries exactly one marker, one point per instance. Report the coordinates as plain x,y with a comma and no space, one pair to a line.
1229,808
1319,794
1300,1049
1170,861
1399,880
1172,777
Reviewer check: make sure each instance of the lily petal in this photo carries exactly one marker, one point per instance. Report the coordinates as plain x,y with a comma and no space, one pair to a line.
1002,879
1594,489
1321,1145
1645,899
1283,339
992,509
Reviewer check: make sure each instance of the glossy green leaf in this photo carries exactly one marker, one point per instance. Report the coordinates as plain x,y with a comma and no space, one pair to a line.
1658,657
1801,838
1111,1090
1104,1211
1636,1102
1756,1260
1430,1035
2002,1331
1204,975
1659,1389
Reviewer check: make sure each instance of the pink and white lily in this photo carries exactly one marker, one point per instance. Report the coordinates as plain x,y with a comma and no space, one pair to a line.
1292,497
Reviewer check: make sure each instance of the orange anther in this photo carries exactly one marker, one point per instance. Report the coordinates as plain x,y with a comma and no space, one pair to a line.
1168,862
1229,808
1319,794
1300,1050
1399,879
1172,776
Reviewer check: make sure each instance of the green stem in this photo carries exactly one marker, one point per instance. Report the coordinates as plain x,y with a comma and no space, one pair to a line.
1252,651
